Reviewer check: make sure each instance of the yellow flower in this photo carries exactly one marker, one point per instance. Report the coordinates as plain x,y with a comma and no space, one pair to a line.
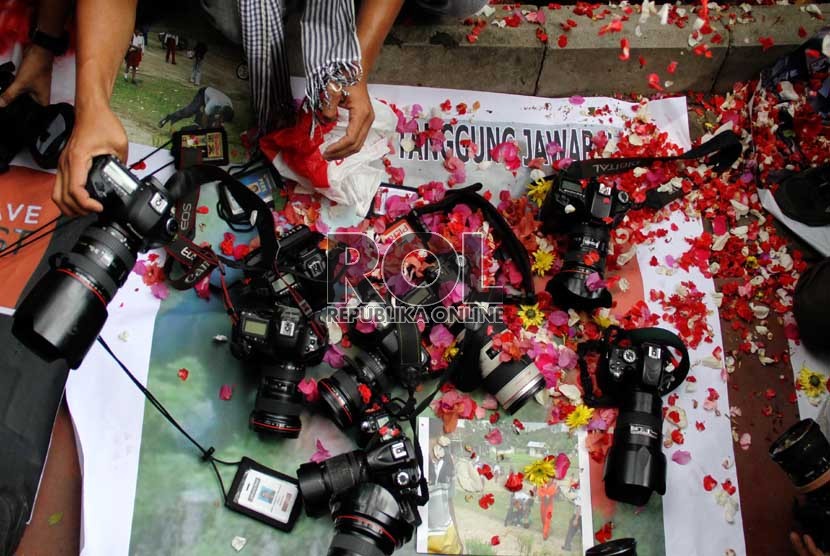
580,416
812,383
540,472
531,315
542,262
538,190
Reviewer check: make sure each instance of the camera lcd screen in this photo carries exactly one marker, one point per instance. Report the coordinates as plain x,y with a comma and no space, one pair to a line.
255,327
120,177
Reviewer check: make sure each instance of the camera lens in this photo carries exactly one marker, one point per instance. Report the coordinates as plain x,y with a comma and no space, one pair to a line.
636,466
369,522
512,383
66,310
341,397
617,547
278,401
803,452
343,392
569,286
319,482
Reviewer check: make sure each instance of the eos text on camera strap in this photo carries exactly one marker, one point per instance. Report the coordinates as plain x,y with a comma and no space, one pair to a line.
616,335
195,261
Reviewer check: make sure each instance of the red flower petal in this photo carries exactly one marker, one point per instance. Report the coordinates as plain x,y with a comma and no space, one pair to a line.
802,32
183,374
709,483
625,45
766,43
494,540
202,210
562,41
139,166
672,67
486,501
514,482
654,82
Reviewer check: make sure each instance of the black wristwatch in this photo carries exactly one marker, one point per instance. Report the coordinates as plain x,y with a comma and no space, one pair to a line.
56,45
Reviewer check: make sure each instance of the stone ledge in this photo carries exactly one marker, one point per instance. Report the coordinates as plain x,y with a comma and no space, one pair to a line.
513,60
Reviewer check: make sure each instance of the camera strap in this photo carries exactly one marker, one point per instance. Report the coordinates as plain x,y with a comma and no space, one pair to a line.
636,337
722,151
509,242
195,261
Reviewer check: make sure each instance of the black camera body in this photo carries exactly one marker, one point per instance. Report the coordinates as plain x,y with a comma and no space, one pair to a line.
587,214
300,252
275,333
279,342
635,369
66,310
44,130
372,494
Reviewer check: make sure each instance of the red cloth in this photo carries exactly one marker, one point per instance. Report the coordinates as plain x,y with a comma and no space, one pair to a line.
134,58
15,16
300,151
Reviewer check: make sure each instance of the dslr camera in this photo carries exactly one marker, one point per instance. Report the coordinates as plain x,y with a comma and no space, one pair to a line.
66,310
634,370
512,383
390,350
803,452
279,341
587,214
278,332
617,547
372,495
44,130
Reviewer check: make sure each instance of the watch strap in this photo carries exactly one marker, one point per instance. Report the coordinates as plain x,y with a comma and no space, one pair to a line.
56,45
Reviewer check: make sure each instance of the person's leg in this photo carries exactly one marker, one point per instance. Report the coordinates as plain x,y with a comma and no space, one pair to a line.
166,52
573,526
173,54
192,109
133,73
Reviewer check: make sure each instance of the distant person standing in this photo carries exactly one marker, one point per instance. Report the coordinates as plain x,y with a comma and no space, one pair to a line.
171,42
135,52
199,54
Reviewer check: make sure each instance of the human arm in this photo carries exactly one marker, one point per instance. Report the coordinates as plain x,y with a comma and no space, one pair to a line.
805,547
35,74
103,27
373,24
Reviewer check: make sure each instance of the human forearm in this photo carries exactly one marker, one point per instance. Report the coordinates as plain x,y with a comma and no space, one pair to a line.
373,24
104,28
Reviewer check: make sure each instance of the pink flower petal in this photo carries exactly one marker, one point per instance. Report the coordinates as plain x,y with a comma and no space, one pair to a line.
681,457
308,386
577,100
494,437
321,454
562,464
225,392
160,290
745,441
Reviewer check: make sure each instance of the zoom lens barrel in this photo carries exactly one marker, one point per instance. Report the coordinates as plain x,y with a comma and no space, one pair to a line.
617,547
369,521
803,452
569,287
279,402
636,466
320,482
66,310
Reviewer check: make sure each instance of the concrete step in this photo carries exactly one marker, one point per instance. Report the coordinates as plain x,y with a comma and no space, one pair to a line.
514,60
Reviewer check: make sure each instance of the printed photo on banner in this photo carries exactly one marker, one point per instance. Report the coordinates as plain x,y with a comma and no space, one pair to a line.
479,504
180,72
